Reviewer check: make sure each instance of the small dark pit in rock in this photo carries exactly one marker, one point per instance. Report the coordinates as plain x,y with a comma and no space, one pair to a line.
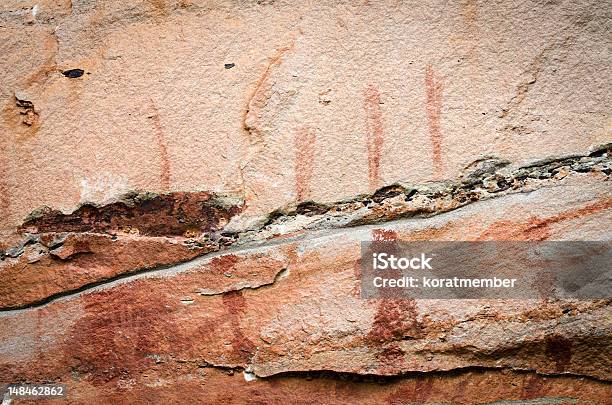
229,65
387,192
410,195
73,73
310,208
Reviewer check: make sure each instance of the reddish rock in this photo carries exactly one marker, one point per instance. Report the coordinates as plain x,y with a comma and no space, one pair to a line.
291,307
174,214
313,126
85,259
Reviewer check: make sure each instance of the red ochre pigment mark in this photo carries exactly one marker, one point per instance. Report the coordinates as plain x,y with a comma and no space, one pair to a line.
384,235
433,86
539,228
159,6
394,320
559,350
378,235
534,386
163,148
235,304
93,348
223,264
390,358
304,145
374,134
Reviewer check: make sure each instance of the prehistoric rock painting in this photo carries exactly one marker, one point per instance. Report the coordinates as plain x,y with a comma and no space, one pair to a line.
186,188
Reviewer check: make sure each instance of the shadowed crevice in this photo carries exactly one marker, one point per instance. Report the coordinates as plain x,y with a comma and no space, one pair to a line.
171,214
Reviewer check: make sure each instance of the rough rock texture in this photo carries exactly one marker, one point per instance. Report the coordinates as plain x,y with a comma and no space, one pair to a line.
326,99
266,140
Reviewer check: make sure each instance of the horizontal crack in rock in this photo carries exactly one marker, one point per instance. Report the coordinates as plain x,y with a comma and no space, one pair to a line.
483,179
204,215
385,378
207,214
146,271
282,273
326,374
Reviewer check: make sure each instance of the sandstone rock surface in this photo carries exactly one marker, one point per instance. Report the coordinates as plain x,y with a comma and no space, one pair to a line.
325,100
184,186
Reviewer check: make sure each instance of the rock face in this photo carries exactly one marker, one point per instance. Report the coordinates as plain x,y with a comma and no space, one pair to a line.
185,185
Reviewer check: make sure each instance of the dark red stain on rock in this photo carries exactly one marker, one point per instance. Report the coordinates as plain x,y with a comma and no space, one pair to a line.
422,388
539,228
383,241
559,350
393,353
384,235
374,134
162,148
222,264
172,214
378,235
235,304
117,336
394,320
304,144
390,358
433,108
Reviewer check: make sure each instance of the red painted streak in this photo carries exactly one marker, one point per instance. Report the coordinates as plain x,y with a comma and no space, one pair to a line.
374,134
5,199
540,228
235,304
163,149
304,144
433,86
